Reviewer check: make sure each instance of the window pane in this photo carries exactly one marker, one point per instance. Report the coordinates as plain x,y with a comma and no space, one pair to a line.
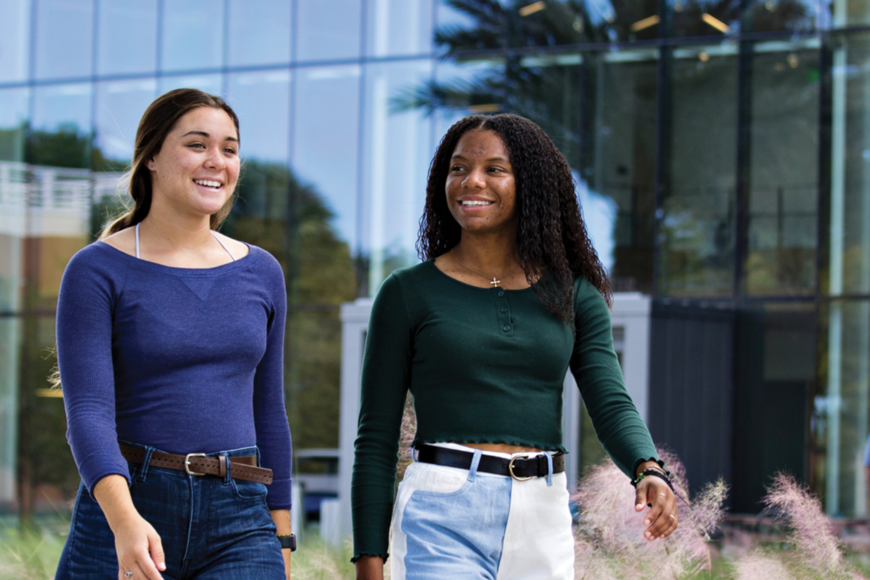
328,29
849,253
259,32
262,103
794,15
697,251
397,150
127,37
192,35
212,84
398,27
840,412
61,132
461,89
783,185
14,40
120,105
314,377
846,14
325,144
704,18
13,118
618,155
63,38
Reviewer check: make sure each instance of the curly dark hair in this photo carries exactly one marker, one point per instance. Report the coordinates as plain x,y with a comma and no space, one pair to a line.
553,245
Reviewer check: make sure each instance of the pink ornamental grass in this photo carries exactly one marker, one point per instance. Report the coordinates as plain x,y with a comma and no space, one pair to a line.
609,540
817,552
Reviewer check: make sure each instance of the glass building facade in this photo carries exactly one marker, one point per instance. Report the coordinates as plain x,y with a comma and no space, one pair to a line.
721,150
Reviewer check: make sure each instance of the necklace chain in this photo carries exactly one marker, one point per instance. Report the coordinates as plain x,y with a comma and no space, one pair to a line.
495,281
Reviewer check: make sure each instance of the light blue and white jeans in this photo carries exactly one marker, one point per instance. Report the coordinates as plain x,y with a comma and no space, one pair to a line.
459,524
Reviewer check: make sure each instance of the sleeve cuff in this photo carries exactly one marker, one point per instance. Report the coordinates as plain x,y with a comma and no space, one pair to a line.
279,497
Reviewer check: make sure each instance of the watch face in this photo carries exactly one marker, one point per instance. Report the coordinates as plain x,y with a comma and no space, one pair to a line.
288,542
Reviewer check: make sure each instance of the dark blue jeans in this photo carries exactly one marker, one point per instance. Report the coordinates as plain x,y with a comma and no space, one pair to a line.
211,528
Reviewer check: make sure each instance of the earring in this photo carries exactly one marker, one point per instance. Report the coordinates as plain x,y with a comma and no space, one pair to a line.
151,166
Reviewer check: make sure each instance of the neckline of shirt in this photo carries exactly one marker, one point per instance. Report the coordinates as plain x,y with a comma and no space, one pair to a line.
431,262
154,266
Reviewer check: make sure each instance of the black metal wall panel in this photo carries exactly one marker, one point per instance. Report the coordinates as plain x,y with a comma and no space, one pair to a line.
692,386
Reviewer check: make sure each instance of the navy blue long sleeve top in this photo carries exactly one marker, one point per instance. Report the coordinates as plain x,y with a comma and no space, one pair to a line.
183,360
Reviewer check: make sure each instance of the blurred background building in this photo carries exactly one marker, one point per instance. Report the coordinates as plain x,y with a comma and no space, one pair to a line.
721,150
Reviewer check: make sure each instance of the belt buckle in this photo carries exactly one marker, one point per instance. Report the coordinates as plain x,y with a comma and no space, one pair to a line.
187,469
511,466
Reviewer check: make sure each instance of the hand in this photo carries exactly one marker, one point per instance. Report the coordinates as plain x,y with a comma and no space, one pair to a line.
136,542
661,520
286,554
370,568
139,550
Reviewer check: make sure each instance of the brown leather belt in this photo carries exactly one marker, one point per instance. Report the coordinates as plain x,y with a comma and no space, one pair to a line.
244,468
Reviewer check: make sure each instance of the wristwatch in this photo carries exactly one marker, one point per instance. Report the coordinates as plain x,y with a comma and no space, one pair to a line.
288,542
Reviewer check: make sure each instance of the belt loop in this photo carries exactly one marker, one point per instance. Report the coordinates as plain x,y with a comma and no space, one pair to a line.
142,470
226,465
549,469
475,461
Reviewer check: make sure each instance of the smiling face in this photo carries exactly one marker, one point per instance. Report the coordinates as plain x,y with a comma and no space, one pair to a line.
481,192
197,168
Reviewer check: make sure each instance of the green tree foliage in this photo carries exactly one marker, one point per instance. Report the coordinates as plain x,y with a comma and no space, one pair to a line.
289,218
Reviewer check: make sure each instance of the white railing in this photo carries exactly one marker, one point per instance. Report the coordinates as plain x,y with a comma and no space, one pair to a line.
39,201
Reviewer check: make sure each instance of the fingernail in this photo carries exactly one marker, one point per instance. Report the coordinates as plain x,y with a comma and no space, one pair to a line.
162,566
638,506
646,522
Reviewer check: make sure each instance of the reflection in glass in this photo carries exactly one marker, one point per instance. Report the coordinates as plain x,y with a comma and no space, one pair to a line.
63,38
212,84
841,408
784,170
10,349
461,88
61,127
696,230
326,140
849,83
846,14
259,32
486,25
397,150
262,103
617,162
127,37
397,27
772,15
704,18
13,120
120,105
192,35
314,377
328,29
14,41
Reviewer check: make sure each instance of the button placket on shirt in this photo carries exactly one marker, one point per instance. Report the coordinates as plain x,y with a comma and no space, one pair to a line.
503,310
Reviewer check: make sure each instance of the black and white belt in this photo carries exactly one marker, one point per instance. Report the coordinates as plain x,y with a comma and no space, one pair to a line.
521,467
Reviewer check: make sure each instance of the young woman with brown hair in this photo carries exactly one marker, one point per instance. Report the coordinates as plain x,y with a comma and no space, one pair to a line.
170,341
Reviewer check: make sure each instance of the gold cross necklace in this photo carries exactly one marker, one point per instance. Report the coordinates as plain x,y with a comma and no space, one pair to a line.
495,281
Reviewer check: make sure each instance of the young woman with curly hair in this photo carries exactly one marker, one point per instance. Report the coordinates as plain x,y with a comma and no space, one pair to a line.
511,295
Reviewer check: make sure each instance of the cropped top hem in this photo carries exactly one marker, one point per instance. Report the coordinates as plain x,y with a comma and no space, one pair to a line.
492,441
359,555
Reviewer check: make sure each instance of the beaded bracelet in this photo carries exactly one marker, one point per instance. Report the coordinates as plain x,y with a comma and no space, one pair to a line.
654,473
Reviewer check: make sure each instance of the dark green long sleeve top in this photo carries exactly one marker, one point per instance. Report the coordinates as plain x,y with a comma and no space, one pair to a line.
485,365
